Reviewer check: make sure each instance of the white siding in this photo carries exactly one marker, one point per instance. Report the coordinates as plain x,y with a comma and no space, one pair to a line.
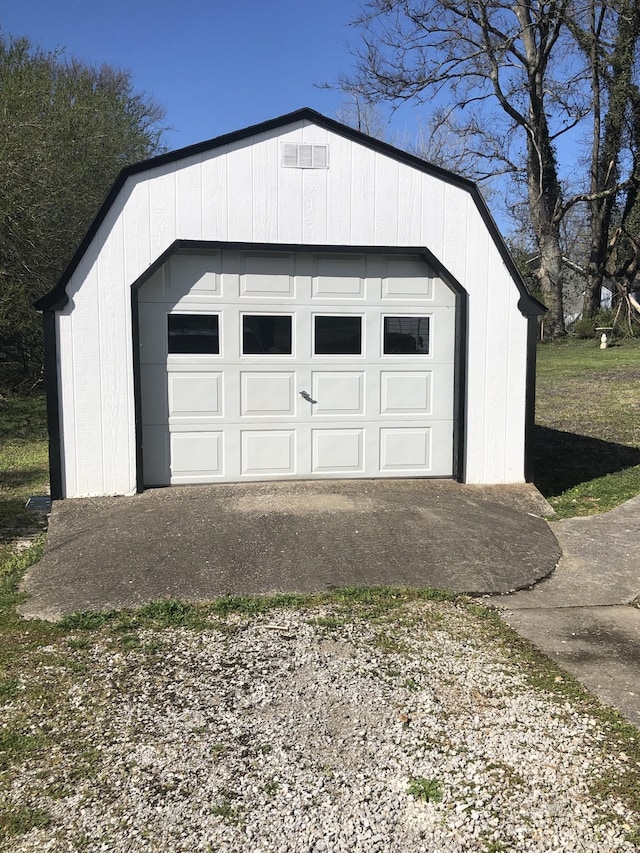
240,192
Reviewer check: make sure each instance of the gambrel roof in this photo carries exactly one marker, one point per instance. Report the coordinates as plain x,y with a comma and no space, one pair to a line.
57,298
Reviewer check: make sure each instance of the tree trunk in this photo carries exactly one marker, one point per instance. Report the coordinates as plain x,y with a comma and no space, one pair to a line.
544,200
550,277
592,295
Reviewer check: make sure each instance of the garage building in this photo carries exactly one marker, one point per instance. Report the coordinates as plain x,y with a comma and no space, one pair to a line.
295,300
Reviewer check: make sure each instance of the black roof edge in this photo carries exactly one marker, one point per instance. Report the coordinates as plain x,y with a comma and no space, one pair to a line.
57,298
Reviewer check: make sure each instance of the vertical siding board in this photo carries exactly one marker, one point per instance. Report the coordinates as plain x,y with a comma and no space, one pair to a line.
240,191
339,191
189,200
162,209
88,400
314,206
516,394
456,246
290,193
410,214
432,202
314,192
265,190
363,196
478,283
497,356
134,203
215,203
312,134
386,203
115,362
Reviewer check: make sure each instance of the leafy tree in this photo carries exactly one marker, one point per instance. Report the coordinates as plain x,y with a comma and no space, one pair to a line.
506,80
66,130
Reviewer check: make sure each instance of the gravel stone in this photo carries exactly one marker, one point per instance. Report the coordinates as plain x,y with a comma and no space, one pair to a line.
302,730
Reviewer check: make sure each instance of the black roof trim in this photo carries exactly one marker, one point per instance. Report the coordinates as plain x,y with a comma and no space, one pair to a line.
57,298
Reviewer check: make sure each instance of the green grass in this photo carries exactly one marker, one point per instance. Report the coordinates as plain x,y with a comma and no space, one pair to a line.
23,462
588,425
20,819
369,603
429,790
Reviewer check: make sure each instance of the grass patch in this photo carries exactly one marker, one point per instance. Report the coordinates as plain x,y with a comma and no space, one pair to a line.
369,603
17,746
428,790
20,819
23,462
587,458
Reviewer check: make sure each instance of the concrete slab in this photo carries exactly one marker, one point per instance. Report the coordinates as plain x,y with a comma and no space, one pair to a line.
200,542
580,615
600,562
600,646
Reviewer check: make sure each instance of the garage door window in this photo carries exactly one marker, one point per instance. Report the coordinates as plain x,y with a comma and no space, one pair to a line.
266,333
338,335
193,334
406,335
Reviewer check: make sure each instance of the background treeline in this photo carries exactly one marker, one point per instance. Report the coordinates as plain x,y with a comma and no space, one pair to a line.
66,130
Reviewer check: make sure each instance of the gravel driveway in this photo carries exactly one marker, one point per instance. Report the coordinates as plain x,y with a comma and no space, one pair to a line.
313,731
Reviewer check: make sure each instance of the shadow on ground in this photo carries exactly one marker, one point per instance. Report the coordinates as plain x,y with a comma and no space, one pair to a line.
563,459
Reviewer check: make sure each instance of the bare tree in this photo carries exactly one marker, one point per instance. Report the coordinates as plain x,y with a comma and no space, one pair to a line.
489,68
362,115
503,82
608,34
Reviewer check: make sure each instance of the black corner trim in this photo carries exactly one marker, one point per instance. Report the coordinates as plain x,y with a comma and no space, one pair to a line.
57,297
137,387
530,398
53,405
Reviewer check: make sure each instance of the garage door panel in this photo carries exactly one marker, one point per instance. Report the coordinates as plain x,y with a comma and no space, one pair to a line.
195,394
406,392
268,393
337,451
268,276
268,451
407,287
338,393
405,449
442,336
192,277
316,405
196,455
267,285
442,393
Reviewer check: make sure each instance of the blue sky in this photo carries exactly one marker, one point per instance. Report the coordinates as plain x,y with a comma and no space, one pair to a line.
215,66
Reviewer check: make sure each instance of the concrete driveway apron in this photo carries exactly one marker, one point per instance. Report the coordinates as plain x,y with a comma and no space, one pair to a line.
197,543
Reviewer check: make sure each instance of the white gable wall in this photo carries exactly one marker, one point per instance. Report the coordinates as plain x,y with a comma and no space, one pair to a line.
240,192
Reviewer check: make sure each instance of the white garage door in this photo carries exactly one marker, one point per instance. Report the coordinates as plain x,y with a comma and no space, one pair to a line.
276,366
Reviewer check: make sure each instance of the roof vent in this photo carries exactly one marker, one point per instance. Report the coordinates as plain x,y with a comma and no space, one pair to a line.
304,156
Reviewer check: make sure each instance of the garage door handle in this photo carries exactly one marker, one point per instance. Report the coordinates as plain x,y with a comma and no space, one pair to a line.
306,396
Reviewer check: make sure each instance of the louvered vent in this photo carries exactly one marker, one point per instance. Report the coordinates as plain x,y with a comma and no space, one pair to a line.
304,156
